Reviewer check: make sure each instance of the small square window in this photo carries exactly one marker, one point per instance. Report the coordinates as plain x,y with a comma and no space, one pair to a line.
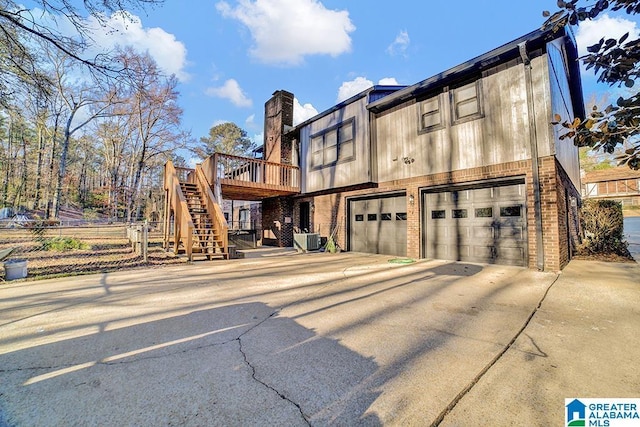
385,217
401,216
359,217
372,217
439,214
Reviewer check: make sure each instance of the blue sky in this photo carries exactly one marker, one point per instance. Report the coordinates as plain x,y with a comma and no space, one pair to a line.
231,55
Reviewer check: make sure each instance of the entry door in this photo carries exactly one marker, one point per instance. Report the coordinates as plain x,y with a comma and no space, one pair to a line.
305,222
378,225
486,225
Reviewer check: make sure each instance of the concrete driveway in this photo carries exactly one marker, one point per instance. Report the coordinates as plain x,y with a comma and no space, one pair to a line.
317,339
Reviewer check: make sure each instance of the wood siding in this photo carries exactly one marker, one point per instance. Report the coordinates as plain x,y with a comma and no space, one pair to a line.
352,172
501,135
565,151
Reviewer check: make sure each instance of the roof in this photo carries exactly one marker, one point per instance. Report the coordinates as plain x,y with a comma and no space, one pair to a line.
374,92
614,174
534,40
382,98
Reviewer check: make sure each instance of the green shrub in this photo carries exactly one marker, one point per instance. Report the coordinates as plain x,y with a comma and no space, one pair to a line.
603,227
61,244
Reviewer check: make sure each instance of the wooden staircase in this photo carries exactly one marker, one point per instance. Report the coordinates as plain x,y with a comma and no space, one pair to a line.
207,240
194,224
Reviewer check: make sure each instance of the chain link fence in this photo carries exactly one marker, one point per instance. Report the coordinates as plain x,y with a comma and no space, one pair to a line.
53,249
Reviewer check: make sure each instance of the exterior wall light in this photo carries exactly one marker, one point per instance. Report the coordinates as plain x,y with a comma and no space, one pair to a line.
411,199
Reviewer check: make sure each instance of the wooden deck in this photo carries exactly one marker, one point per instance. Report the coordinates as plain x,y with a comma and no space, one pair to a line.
243,178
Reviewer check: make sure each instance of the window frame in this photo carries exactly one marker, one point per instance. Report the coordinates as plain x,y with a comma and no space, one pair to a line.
440,125
336,145
454,103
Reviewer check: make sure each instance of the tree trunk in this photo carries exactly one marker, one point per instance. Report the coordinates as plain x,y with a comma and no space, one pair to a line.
57,199
36,197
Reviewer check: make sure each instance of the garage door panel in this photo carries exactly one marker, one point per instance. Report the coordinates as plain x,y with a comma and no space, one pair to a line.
381,227
483,232
509,254
483,252
485,224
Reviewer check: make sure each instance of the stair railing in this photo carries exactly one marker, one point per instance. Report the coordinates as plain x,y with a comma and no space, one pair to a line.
183,224
217,216
209,168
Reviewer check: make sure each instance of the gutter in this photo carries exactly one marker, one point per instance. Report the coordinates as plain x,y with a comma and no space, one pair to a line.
535,166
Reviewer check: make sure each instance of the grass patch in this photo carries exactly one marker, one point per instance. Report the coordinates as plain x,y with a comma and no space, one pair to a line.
62,244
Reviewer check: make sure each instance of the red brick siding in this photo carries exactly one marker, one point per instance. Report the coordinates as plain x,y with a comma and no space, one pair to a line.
331,210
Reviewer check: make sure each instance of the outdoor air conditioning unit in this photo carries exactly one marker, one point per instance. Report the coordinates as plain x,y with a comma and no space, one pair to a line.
305,242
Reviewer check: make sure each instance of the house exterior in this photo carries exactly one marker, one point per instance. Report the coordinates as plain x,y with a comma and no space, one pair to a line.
464,165
621,184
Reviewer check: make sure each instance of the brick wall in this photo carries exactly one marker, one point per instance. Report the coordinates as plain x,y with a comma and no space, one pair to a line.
331,210
277,222
278,113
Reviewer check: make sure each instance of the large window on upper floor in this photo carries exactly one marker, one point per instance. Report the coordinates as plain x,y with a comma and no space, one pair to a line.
333,145
466,102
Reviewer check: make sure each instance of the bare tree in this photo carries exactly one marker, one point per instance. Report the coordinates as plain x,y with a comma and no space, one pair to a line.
155,116
83,101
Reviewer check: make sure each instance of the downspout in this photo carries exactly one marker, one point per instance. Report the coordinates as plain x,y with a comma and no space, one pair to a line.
533,140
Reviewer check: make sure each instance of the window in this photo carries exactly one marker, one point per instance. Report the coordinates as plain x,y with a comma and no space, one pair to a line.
245,219
484,212
401,216
459,213
510,211
465,101
385,217
430,114
333,145
372,217
359,217
439,214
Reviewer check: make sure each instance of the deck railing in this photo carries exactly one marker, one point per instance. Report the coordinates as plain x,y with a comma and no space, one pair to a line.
245,171
219,223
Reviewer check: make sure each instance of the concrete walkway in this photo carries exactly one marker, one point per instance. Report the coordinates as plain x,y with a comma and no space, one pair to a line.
317,339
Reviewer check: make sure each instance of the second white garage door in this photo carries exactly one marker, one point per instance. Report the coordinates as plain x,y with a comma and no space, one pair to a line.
486,225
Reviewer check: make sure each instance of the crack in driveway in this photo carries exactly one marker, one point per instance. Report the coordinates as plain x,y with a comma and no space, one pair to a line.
269,387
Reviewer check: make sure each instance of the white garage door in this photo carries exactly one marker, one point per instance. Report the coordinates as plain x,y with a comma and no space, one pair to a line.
486,225
378,225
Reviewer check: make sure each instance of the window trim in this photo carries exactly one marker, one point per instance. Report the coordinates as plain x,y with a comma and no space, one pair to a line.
322,134
452,101
424,129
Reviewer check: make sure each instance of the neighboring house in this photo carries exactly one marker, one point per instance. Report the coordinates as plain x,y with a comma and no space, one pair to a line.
621,184
464,165
242,215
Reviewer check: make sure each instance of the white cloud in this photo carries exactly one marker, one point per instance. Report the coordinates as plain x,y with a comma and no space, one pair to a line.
590,32
258,139
302,112
353,87
232,91
389,81
285,31
169,53
400,44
